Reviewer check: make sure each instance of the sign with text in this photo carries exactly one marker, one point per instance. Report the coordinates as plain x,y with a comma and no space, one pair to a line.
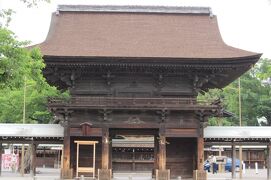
10,162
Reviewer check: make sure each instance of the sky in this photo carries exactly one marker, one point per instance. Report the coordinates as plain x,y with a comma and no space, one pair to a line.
245,24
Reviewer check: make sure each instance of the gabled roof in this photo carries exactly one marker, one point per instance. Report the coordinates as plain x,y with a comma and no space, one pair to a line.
137,32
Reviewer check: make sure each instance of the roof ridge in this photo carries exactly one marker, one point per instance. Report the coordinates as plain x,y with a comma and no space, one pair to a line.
136,9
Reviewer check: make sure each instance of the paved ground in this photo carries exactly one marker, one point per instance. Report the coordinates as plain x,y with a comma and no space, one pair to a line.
53,174
250,174
42,174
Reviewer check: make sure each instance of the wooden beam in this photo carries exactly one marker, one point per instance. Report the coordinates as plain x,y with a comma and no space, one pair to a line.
236,143
200,154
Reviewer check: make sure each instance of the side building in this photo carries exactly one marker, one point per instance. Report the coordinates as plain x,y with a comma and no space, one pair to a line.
136,71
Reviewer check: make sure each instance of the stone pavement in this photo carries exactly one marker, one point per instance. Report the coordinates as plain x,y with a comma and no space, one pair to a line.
42,174
54,174
250,174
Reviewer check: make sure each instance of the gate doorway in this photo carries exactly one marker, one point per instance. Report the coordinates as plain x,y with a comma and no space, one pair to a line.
134,151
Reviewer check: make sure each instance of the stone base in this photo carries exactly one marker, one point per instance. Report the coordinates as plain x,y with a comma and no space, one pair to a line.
162,174
67,173
199,175
104,174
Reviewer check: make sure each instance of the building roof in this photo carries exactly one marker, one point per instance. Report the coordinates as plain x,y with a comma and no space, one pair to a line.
31,130
137,32
43,132
237,132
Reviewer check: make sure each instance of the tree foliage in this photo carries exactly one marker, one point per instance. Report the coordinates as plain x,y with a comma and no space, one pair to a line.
255,97
20,67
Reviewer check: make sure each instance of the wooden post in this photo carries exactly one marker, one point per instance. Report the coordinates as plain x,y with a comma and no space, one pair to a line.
268,161
199,173
162,149
85,169
200,160
77,158
133,164
66,171
61,163
22,160
94,159
44,160
0,159
240,159
34,157
105,172
156,153
162,173
233,173
110,154
105,148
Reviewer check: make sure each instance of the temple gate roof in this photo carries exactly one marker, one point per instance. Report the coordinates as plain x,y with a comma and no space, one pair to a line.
138,32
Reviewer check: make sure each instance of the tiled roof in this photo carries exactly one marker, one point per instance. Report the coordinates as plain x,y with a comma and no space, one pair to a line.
137,32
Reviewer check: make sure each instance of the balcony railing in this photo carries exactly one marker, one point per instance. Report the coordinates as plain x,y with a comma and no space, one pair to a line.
131,103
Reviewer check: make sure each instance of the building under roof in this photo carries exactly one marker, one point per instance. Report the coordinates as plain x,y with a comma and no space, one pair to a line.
137,70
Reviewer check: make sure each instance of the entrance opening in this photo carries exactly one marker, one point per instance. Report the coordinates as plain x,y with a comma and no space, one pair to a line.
133,153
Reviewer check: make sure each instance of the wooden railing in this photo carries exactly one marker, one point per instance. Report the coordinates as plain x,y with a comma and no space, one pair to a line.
124,102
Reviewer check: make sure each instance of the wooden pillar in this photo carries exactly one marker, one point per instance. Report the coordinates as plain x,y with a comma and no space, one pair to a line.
200,149
162,149
162,173
44,160
34,157
105,149
233,173
199,173
0,158
66,171
110,153
133,163
156,153
268,161
105,172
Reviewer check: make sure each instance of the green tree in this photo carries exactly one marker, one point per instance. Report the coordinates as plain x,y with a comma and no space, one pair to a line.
255,97
263,71
18,63
20,67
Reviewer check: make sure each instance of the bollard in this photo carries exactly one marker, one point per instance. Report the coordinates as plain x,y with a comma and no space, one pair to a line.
256,168
244,168
82,177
